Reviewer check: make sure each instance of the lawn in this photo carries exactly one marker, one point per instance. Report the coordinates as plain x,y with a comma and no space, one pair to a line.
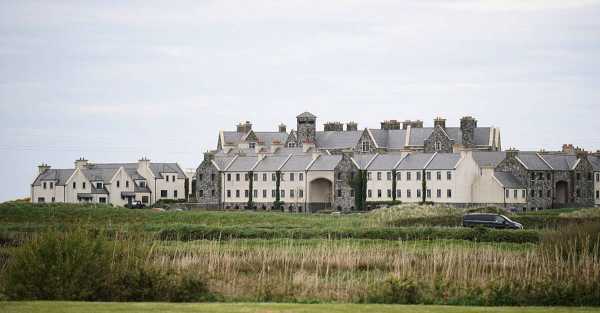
76,307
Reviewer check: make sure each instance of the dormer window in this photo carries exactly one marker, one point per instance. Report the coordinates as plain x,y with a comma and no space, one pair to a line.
438,146
98,185
291,145
366,146
142,184
252,145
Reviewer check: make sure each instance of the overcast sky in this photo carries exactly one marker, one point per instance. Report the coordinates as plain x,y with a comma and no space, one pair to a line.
116,80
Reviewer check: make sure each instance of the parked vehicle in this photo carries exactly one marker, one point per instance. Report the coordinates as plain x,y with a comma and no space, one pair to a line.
490,220
135,205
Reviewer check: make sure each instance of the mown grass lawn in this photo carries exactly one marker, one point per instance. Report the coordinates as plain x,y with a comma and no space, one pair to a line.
88,307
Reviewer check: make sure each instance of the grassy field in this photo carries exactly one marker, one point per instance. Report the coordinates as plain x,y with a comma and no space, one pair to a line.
79,307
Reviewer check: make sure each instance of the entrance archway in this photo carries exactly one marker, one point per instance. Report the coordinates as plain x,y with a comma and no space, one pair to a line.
320,193
562,192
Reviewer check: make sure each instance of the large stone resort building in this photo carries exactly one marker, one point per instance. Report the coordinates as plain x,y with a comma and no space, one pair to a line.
347,169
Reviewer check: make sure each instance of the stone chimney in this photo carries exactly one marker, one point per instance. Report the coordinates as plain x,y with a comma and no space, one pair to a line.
511,153
81,163
441,122
282,128
43,167
144,162
467,126
568,148
581,154
333,127
412,124
351,126
244,127
390,124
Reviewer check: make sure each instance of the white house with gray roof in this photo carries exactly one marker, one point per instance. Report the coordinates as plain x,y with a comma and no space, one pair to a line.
111,183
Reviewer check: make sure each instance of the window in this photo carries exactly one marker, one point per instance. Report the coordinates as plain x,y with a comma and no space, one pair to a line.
282,176
103,199
237,193
142,184
449,193
51,185
201,193
228,193
228,177
119,183
41,200
515,193
252,145
246,176
408,193
389,175
378,193
339,176
399,176
418,193
126,184
549,176
246,193
589,177
428,176
272,193
578,176
212,177
212,193
540,176
163,194
398,193
300,193
366,146
273,177
439,175
438,146
352,193
540,193
532,176
449,175
45,185
200,176
523,193
368,175
418,175
292,176
378,175
255,193
428,193
369,193
237,177
175,194
74,185
408,174
439,193
98,185
292,193
339,192
264,193
532,193
83,185
291,145
282,193
173,178
597,177
597,194
145,199
264,175
578,192
549,193
507,193
255,177
389,193
300,176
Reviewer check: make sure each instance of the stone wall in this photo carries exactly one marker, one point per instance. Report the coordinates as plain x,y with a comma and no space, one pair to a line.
584,184
365,138
438,135
467,126
207,180
343,174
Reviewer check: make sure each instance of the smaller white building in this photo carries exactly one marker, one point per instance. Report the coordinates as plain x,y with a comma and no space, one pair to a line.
111,183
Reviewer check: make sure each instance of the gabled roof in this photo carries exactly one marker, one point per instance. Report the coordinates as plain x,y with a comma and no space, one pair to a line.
270,163
532,161
100,174
391,139
595,160
158,168
297,163
363,160
508,180
222,162
444,161
337,139
560,162
415,161
242,164
488,158
59,175
418,136
385,161
325,163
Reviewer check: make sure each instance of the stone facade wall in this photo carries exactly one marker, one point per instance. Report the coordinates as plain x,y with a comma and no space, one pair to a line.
208,179
365,138
585,184
438,135
343,174
306,130
511,165
467,126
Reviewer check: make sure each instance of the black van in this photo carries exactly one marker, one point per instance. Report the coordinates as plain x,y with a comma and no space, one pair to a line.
490,220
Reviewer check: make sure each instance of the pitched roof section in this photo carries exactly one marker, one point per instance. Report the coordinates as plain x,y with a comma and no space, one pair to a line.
508,180
59,175
297,163
533,162
265,138
595,160
222,162
270,163
326,163
489,159
385,162
560,162
415,161
362,160
337,139
444,161
100,174
389,138
242,164
159,168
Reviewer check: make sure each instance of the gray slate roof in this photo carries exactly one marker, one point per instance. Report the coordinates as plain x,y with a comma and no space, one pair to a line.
222,161
489,158
560,162
326,163
58,175
337,139
391,139
100,174
415,161
242,164
270,163
532,161
363,160
444,161
297,163
595,160
385,161
266,138
508,180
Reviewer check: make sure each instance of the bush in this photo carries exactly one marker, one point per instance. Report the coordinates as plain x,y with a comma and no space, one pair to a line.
395,291
573,242
86,266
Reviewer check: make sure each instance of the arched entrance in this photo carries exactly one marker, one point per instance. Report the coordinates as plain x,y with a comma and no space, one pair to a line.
562,192
320,191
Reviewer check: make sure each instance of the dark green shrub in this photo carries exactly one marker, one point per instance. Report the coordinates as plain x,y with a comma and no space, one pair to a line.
395,291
